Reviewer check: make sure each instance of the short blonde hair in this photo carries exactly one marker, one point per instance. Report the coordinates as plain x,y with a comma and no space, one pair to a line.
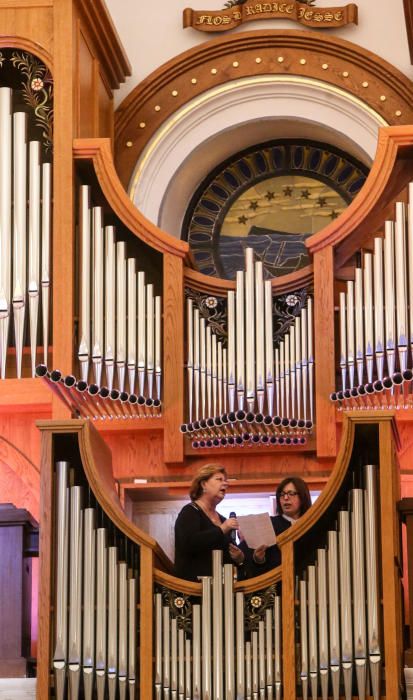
203,474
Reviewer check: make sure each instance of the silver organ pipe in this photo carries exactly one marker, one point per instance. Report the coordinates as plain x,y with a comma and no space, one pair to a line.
120,315
25,238
249,370
95,586
384,299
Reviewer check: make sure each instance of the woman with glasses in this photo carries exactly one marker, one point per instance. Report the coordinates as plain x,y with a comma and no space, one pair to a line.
293,500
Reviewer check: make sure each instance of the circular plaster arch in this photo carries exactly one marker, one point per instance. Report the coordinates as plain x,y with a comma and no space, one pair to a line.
235,115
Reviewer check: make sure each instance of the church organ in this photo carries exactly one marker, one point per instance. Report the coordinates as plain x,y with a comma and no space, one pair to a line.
136,364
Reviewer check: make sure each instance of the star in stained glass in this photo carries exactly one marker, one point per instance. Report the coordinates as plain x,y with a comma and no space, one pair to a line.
242,219
288,191
305,194
333,214
254,205
322,201
270,195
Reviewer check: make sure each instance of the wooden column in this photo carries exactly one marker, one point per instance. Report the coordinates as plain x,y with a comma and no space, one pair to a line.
288,623
173,357
324,352
406,510
45,569
390,553
63,200
146,623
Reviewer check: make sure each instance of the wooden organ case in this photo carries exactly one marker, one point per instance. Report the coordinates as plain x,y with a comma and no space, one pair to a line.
313,626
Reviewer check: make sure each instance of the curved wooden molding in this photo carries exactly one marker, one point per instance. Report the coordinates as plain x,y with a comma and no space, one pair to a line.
351,68
99,152
333,484
111,52
97,464
389,174
19,42
219,287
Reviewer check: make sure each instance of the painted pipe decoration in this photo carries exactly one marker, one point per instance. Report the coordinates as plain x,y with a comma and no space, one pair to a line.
120,317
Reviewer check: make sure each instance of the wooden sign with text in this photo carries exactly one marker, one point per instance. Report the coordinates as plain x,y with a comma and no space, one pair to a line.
224,20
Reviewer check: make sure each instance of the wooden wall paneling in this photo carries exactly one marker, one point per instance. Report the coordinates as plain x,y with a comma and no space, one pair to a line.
324,352
86,112
45,570
173,357
63,204
391,560
28,26
146,634
105,107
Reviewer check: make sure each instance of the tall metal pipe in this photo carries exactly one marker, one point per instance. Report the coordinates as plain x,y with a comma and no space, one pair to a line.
346,612
240,326
312,627
229,641
190,356
158,346
231,349
401,284
97,325
358,303
389,296
259,335
333,612
372,576
206,638
101,611
19,232
75,590
141,331
322,620
359,590
121,280
379,342
45,276
368,314
33,286
217,623
150,329
304,669
250,340
131,320
89,589
5,222
61,582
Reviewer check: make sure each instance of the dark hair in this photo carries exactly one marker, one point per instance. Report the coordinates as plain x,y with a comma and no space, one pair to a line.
302,490
203,474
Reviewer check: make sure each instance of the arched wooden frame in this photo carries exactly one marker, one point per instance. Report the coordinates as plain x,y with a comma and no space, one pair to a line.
351,68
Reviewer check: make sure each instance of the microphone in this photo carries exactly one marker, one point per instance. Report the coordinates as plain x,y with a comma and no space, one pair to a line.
233,533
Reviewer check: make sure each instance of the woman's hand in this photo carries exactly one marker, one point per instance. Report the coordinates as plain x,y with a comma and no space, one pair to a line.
259,554
236,555
228,525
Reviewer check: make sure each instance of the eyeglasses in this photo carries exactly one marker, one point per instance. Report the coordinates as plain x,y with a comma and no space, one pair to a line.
289,494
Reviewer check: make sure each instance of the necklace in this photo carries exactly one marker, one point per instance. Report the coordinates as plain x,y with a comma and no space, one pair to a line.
211,514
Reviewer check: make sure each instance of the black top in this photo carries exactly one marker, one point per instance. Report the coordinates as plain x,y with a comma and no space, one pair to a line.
272,554
195,538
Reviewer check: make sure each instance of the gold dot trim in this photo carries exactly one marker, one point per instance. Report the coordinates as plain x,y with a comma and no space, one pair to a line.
174,93
382,98
142,125
214,71
280,59
258,60
398,113
235,64
365,84
324,66
345,73
157,108
129,144
303,61
194,81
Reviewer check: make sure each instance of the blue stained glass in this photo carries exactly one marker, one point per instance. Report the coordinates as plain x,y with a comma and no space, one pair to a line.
298,157
315,159
219,191
209,270
203,221
345,173
209,204
245,168
229,177
357,185
331,163
260,162
204,255
277,155
200,237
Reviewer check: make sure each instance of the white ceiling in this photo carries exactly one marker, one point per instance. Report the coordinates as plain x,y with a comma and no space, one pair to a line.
152,33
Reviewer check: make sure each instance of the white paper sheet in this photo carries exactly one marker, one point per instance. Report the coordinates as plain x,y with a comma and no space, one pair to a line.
257,529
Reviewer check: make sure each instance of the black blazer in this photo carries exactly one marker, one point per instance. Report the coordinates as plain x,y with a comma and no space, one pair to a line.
272,554
195,538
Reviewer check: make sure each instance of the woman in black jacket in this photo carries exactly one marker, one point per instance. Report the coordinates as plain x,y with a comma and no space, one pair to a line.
199,529
293,500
